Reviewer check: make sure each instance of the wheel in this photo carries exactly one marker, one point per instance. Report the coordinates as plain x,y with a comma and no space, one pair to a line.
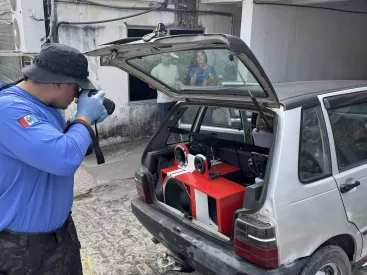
328,260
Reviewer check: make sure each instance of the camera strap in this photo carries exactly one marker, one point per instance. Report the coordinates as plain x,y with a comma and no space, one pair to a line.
11,84
95,143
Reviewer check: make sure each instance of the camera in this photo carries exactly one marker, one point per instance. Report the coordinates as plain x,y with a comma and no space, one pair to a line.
107,103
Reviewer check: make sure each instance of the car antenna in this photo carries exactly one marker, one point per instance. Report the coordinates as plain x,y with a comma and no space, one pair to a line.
231,58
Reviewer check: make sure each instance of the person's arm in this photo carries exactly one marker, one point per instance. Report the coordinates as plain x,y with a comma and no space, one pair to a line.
39,144
193,76
32,139
176,74
212,77
154,73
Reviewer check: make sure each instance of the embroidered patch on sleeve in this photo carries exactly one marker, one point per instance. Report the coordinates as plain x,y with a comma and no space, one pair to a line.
28,120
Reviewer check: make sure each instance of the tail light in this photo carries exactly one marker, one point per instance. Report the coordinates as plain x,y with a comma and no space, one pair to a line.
142,186
255,241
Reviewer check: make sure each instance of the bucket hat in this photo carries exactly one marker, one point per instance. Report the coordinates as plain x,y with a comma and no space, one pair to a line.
59,64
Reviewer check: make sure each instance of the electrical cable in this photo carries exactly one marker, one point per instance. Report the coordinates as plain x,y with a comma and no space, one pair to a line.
5,12
101,21
6,22
92,3
305,6
163,7
39,19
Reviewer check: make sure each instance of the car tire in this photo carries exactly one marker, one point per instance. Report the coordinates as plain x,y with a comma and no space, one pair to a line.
327,257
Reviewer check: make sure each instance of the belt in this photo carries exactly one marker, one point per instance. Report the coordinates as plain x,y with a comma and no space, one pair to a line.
34,239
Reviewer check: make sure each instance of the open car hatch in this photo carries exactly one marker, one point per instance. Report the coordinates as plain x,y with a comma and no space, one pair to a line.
209,66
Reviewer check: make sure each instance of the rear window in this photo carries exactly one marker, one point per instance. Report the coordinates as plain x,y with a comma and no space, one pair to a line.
199,70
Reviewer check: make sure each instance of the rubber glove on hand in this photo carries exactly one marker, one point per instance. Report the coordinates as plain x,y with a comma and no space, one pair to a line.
91,106
101,118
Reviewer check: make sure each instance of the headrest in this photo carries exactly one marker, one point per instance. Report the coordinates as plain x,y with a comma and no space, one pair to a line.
343,132
360,135
261,125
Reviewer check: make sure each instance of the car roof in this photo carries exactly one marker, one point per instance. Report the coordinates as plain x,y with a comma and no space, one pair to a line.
297,94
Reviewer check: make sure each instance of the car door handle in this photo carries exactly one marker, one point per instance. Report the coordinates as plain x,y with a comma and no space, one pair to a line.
347,187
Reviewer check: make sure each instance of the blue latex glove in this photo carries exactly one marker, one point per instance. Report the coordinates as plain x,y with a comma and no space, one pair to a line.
91,107
101,118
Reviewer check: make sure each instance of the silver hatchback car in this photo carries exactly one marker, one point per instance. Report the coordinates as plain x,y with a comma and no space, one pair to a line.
246,176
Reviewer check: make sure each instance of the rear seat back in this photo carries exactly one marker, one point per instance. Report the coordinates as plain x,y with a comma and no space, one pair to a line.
231,152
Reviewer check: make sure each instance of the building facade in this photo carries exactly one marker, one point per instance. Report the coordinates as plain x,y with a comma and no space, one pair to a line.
9,65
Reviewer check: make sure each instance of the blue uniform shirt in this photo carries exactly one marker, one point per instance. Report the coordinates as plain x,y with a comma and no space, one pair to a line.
202,75
37,163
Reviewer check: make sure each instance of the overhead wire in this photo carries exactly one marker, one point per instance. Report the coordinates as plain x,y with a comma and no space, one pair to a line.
4,21
162,7
56,32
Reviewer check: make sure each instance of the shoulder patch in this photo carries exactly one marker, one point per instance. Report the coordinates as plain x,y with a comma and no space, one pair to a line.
28,120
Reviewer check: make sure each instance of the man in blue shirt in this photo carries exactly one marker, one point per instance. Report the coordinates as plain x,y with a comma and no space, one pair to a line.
38,161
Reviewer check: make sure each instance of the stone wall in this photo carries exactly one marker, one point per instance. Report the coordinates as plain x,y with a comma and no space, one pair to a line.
9,66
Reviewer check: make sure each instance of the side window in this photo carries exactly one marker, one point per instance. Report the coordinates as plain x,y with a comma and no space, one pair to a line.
184,123
314,154
350,135
223,117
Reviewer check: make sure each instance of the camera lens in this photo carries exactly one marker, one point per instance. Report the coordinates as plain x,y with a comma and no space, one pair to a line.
109,105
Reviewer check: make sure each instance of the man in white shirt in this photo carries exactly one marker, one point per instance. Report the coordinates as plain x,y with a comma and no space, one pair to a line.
168,74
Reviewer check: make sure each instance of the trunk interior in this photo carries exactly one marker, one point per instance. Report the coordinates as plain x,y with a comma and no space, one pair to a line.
212,172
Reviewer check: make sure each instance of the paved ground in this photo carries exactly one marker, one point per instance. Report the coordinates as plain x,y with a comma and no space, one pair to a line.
113,241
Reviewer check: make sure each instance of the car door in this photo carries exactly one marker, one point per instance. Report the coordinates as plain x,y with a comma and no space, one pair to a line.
226,71
347,115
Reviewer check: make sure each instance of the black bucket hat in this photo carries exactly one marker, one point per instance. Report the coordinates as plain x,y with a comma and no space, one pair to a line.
59,64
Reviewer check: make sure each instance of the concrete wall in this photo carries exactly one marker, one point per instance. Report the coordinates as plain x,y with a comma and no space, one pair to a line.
295,43
131,120
221,24
9,66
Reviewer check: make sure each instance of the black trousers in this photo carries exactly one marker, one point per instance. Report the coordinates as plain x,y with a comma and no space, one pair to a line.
56,253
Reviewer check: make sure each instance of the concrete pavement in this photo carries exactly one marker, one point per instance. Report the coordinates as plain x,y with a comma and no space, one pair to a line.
113,241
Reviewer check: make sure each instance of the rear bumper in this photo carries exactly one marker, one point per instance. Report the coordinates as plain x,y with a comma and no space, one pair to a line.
203,254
